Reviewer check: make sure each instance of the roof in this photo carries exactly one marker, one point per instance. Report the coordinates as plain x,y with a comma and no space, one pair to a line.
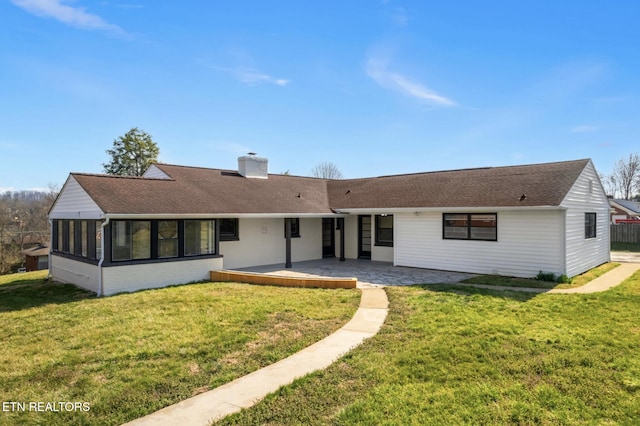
40,250
630,205
543,184
195,190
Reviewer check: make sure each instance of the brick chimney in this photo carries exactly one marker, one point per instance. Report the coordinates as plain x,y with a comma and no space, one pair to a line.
253,167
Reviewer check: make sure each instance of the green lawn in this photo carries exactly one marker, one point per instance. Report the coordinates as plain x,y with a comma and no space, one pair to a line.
628,247
577,281
459,355
132,354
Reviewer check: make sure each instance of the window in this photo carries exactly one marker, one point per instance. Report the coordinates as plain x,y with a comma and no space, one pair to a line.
167,238
384,230
470,226
130,240
295,227
98,237
72,236
589,225
199,237
84,249
60,235
229,230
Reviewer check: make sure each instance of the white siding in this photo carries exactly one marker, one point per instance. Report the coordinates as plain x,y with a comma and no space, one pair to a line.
381,254
155,172
585,196
262,242
84,275
528,242
126,278
74,203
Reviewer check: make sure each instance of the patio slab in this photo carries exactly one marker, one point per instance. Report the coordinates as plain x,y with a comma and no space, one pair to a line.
369,273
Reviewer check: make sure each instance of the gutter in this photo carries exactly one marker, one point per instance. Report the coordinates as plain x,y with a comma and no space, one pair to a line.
468,209
102,237
143,216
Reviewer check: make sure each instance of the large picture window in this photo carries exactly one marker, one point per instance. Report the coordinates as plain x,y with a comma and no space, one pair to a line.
199,237
470,226
130,240
167,238
384,230
590,225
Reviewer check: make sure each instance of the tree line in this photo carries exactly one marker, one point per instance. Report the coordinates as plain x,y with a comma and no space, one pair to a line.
23,224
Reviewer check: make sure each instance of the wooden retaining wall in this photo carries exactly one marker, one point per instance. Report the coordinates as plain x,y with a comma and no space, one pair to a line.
625,233
278,280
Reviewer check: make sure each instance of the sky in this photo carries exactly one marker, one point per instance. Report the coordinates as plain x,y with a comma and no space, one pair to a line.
376,87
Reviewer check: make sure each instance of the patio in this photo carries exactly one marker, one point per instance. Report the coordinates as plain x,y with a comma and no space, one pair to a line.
369,273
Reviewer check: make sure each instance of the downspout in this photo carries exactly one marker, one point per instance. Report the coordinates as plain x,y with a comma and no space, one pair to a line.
564,242
103,235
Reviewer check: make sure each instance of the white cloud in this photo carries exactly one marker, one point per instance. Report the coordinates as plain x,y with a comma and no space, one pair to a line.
400,17
74,16
583,129
252,76
377,70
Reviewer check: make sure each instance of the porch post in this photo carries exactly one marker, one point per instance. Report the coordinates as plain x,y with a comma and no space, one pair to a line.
287,235
341,226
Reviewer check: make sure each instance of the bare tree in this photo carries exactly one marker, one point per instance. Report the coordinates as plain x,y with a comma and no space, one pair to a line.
626,175
326,170
610,185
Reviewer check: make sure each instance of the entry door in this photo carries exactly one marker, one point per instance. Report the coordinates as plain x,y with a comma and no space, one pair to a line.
364,237
328,237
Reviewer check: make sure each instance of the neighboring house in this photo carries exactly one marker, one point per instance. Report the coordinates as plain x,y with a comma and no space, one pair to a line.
175,224
624,211
37,258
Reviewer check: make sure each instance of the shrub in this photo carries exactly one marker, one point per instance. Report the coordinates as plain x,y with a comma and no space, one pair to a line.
545,276
563,279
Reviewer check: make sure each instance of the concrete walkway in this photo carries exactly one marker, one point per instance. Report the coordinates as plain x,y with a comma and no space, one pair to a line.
603,282
625,256
248,390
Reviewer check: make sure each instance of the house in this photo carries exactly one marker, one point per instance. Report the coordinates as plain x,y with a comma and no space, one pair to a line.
175,224
37,258
624,211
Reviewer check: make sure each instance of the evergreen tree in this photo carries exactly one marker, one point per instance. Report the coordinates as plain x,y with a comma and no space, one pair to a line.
132,154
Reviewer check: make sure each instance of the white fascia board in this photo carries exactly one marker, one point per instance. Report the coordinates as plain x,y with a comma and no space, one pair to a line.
86,215
447,209
116,216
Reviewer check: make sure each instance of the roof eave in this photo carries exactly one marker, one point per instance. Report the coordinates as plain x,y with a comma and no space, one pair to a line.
447,209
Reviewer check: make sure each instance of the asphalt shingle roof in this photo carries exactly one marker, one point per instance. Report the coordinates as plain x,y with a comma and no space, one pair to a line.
543,184
194,190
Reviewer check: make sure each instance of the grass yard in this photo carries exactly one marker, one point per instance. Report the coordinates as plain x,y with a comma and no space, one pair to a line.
628,247
132,354
459,355
577,281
